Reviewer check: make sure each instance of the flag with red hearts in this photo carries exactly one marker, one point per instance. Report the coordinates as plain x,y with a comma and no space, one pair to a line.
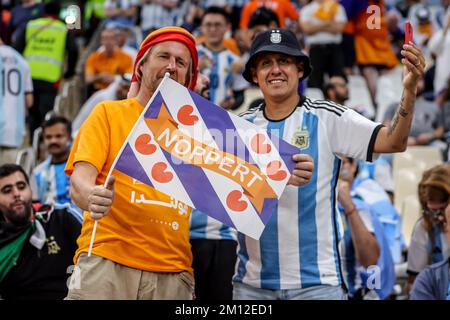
198,153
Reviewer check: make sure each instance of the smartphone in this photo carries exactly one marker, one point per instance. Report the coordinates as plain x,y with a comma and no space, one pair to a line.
408,33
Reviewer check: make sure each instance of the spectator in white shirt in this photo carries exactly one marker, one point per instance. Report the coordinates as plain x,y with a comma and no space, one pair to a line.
322,22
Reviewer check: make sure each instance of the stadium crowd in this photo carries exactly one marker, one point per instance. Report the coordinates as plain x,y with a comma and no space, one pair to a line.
362,233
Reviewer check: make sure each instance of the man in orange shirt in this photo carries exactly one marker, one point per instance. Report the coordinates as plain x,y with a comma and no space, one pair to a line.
103,65
283,8
141,249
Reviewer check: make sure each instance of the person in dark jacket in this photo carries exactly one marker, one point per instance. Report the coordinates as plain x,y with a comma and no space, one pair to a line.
36,245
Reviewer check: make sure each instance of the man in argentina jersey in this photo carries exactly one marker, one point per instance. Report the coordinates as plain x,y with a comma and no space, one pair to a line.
16,93
367,262
297,255
49,182
213,247
213,243
215,61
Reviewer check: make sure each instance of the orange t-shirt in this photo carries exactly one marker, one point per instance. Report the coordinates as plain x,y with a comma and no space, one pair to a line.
327,10
372,46
98,62
283,8
145,229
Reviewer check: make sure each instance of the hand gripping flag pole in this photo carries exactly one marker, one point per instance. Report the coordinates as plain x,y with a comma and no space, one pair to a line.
94,230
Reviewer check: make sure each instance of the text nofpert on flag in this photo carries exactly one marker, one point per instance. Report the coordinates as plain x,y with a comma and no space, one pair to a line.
196,152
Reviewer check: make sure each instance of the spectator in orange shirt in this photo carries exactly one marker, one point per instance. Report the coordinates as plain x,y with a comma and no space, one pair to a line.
141,250
283,8
374,53
102,66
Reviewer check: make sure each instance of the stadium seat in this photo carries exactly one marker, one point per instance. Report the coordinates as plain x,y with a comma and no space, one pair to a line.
250,95
389,90
431,156
27,159
408,168
406,181
410,213
359,96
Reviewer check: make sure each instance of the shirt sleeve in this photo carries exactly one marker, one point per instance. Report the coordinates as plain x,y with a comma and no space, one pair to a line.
352,135
92,141
28,80
423,286
90,68
417,251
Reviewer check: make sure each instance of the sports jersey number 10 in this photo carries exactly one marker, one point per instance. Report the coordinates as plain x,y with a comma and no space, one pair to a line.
11,82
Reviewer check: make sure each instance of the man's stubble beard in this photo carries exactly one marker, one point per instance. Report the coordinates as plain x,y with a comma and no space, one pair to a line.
19,219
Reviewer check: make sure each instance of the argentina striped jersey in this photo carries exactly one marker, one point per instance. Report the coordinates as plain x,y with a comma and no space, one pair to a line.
15,82
220,85
51,185
203,226
299,246
220,74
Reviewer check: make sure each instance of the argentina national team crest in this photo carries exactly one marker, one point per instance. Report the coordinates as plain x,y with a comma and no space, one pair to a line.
301,138
275,36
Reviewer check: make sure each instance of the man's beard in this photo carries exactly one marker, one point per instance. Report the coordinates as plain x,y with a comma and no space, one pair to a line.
19,218
341,98
153,85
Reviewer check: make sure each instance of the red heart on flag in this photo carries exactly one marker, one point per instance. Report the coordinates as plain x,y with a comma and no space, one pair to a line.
159,173
273,171
185,115
258,145
234,202
143,146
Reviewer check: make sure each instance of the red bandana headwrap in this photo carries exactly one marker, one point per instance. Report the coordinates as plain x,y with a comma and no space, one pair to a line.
168,34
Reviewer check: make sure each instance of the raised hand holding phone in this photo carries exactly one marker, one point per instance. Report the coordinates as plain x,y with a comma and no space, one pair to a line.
409,36
413,60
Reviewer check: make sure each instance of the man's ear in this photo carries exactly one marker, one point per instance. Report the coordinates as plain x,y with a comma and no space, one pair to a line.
301,67
254,77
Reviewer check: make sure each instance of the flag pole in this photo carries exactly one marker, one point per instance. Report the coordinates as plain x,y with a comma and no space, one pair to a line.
94,230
